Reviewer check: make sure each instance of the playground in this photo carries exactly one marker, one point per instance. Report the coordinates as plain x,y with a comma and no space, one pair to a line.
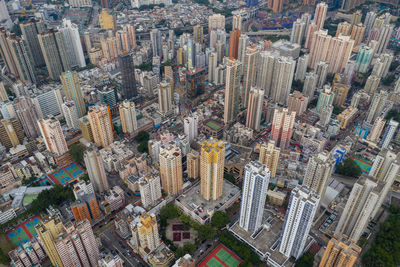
364,164
220,256
66,174
23,232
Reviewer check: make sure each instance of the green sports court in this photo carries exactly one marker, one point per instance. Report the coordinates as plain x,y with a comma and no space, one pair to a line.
364,164
220,256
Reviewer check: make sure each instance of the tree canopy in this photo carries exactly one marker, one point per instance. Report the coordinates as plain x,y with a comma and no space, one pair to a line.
52,197
349,168
142,136
230,177
385,251
306,260
76,152
219,219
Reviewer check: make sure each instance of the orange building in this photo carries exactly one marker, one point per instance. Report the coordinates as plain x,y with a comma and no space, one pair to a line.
86,208
234,44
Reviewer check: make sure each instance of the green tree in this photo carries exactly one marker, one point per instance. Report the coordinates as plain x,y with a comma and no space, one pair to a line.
349,168
169,211
205,232
230,177
85,177
76,152
4,259
306,260
337,110
393,114
142,136
219,219
143,147
51,197
388,80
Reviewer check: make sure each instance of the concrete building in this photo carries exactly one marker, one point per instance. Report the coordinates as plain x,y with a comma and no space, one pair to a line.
190,125
73,43
376,129
216,22
389,133
303,204
70,114
150,190
297,34
297,102
364,57
212,160
30,30
73,92
11,134
127,114
193,164
359,207
171,168
145,233
249,72
301,69
269,156
377,105
335,51
320,14
286,48
165,98
347,116
343,28
28,115
232,90
318,172
85,128
128,82
95,168
310,84
254,193
372,84
53,136
254,108
101,125
282,127
55,54
341,252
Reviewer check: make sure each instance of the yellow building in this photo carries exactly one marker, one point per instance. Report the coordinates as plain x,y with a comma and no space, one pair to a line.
212,161
347,116
101,125
11,133
107,20
193,164
198,34
73,92
269,156
145,234
340,252
171,168
340,89
86,130
48,231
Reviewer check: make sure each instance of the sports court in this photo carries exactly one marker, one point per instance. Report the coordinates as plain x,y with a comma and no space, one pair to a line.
220,256
364,164
23,232
66,174
213,125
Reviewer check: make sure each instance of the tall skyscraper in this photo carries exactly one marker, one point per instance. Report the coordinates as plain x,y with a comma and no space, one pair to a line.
275,5
216,22
171,168
389,133
343,28
334,50
384,38
297,34
255,186
22,59
364,57
53,136
128,76
310,84
30,30
28,115
234,44
150,190
70,114
282,127
269,156
385,168
193,164
297,102
303,204
357,33
254,108
127,113
232,90
95,168
320,14
191,125
369,21
359,207
325,98
249,72
341,252
212,161
101,125
275,75
165,97
382,65
376,129
244,41
11,133
301,69
73,92
198,34
372,84
73,43
145,232
319,170
321,70
377,104
54,52
156,42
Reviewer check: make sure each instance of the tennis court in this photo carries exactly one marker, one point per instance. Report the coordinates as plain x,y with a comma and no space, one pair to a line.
66,174
23,232
220,256
364,164
213,125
